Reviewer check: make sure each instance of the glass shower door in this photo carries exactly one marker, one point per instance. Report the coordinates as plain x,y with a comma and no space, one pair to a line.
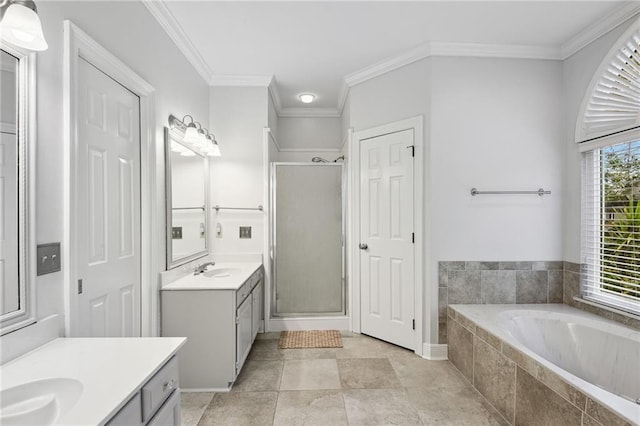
307,235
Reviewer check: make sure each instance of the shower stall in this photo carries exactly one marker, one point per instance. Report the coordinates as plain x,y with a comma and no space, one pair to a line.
307,240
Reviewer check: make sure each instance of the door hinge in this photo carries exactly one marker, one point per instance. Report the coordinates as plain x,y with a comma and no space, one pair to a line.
413,237
413,150
414,324
237,320
80,286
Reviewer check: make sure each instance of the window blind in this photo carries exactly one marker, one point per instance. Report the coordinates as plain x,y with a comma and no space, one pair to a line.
611,224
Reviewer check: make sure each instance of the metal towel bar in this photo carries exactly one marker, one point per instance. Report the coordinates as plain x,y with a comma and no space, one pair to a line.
539,192
218,208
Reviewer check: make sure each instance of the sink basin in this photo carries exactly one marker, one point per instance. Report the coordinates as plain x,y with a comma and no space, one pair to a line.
39,402
221,272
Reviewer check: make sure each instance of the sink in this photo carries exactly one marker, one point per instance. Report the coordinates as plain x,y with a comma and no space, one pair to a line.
40,402
221,272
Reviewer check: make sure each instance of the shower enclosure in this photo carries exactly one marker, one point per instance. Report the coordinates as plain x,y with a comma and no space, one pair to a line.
307,235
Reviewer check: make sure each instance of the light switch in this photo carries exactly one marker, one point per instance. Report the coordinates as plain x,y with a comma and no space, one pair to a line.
48,258
245,232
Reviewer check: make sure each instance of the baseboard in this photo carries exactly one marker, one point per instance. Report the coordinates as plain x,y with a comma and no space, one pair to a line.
320,323
197,390
434,352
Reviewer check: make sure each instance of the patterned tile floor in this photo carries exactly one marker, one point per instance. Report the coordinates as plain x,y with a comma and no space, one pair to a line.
367,382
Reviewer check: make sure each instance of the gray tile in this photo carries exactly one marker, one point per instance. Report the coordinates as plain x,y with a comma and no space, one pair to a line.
257,375
311,353
268,336
538,405
604,415
369,407
241,409
531,287
368,347
265,350
460,346
370,373
455,266
555,290
464,287
472,266
489,266
516,266
571,286
442,332
548,266
310,374
460,405
494,376
571,267
498,286
192,406
420,373
310,408
442,303
443,274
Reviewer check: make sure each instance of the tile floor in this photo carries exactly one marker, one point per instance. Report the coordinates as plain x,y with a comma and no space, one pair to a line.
367,382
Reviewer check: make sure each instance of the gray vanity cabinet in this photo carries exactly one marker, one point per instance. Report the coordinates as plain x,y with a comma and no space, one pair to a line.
220,327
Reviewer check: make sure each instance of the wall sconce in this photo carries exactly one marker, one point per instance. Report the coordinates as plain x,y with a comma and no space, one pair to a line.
20,25
196,136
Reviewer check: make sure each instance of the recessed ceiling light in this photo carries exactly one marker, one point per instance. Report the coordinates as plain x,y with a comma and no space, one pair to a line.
307,98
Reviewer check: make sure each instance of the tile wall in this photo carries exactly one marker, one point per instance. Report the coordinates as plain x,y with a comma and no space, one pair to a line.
496,283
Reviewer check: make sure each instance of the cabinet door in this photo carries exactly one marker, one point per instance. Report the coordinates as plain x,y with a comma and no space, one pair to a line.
256,312
169,413
243,332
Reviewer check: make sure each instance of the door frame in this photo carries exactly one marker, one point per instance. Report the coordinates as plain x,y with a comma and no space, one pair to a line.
78,44
417,125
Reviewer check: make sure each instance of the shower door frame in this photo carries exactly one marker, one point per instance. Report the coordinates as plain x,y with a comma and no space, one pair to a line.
273,314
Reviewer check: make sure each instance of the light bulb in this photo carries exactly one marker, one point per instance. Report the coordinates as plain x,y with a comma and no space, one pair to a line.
21,27
191,134
307,98
214,151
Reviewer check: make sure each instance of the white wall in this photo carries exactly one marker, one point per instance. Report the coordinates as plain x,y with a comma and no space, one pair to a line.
317,133
128,31
489,123
238,117
578,70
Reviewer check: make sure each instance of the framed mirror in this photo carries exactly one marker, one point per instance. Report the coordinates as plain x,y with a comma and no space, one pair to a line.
187,201
17,189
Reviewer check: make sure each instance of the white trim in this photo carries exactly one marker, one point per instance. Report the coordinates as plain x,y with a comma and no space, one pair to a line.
310,323
241,80
435,352
6,127
174,30
421,232
78,44
275,96
198,390
599,28
343,96
267,137
309,112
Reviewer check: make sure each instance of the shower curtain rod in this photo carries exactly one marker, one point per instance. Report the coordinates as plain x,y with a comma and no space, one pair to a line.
539,192
218,208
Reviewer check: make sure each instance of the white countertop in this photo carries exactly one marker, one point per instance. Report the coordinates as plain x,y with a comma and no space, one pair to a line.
111,370
238,273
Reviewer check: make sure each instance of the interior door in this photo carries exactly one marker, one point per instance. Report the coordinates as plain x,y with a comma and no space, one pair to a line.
107,158
386,238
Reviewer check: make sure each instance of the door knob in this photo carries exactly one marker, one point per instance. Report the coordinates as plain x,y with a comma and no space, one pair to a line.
363,246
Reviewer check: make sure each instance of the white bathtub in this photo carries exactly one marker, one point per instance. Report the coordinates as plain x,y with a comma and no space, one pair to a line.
597,356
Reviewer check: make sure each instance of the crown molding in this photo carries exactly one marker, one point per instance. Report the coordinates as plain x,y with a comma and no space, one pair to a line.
309,112
168,22
343,96
241,80
599,28
275,96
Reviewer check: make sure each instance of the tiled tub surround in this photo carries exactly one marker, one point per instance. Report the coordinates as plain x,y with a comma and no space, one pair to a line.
496,283
524,387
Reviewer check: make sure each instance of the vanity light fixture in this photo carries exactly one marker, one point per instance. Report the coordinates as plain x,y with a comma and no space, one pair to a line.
196,136
20,25
306,98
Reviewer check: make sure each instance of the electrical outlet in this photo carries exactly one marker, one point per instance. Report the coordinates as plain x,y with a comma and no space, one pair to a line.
245,232
176,232
48,258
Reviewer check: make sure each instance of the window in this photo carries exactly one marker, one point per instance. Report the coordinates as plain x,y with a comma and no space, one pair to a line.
611,223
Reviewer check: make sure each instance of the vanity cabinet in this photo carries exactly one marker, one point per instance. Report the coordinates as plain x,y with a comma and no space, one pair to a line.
220,325
156,403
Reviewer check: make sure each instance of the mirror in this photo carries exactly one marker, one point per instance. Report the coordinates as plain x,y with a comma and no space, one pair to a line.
17,106
187,201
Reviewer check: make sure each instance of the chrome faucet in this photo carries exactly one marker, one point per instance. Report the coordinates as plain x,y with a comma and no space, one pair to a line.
201,268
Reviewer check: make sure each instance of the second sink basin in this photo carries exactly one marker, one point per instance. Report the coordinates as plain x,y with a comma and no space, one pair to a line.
221,272
39,402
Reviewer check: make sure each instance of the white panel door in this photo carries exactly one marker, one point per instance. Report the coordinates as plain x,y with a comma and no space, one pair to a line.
108,206
386,238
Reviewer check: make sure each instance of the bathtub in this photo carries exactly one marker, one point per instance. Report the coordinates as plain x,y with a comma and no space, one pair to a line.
598,357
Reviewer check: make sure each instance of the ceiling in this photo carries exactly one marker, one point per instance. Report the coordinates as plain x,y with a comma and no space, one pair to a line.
323,47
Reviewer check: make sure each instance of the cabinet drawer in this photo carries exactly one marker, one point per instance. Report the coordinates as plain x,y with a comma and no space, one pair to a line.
242,293
169,414
159,387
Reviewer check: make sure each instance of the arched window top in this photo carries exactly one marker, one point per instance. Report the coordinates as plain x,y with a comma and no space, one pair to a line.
612,103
